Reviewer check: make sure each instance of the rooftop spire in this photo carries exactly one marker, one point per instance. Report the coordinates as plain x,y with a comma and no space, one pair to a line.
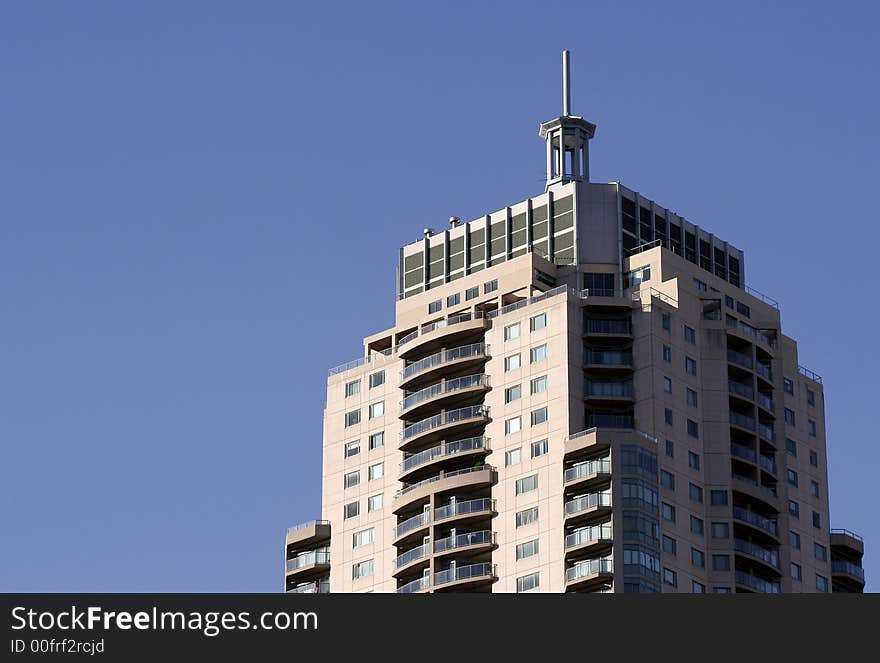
566,84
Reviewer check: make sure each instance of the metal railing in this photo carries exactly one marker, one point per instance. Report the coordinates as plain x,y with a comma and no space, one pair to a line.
742,420
838,530
483,538
589,567
608,357
443,419
311,558
765,401
446,387
749,548
610,420
588,501
764,370
412,523
768,463
600,326
760,295
807,373
740,359
445,449
756,583
653,292
748,330
441,324
587,468
464,573
612,389
588,535
310,523
417,585
740,390
844,566
484,504
766,431
645,246
412,555
360,361
755,519
504,310
742,451
461,352
316,587
442,475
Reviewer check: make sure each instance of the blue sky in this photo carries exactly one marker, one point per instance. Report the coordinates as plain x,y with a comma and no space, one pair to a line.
188,191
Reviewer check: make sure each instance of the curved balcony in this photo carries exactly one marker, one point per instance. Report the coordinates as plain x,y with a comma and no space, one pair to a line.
609,391
766,495
742,421
309,563
765,402
767,464
588,506
444,394
758,553
589,573
481,475
741,360
416,586
467,541
478,508
411,557
743,452
465,577
463,327
764,525
588,541
425,370
444,424
608,328
416,524
422,460
753,583
749,333
587,473
608,360
767,433
741,391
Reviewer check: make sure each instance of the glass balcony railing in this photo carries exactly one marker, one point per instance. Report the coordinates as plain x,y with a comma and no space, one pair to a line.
768,463
412,555
462,352
742,451
587,468
609,420
441,388
311,558
756,583
307,524
608,357
764,370
418,585
588,535
589,567
742,420
765,401
588,501
755,519
443,419
317,587
464,573
440,324
740,326
464,508
464,540
595,326
442,475
749,548
445,449
844,566
740,359
412,523
766,431
740,390
611,389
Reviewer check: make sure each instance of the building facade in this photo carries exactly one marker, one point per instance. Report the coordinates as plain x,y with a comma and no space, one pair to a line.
579,393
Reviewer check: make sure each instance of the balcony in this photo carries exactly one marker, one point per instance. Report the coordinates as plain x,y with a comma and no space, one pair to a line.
310,560
456,448
765,494
764,524
766,431
411,525
744,452
468,576
467,326
756,584
765,402
484,506
608,328
609,420
587,473
740,359
591,504
764,371
588,540
315,587
844,567
589,572
411,556
748,330
417,586
770,557
743,421
740,390
608,359
445,392
469,540
608,391
481,475
423,370
767,463
307,534
446,423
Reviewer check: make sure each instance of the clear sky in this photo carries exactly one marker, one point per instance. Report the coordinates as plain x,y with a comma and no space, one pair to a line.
201,204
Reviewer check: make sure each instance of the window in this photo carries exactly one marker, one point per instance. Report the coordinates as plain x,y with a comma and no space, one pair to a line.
511,363
791,446
669,545
667,416
636,276
667,511
792,477
453,300
690,366
377,440
794,540
667,353
670,449
699,285
352,479
811,397
434,307
789,416
722,590
796,573
352,418
794,509
693,428
698,558
728,301
362,569
821,583
539,448
814,459
376,471
375,502
377,379
538,354
539,385
811,427
539,416
513,425
721,562
352,388
718,497
528,583
472,293
693,460
742,309
691,397
352,448
697,525
527,549
351,510
527,484
538,322
511,332
788,386
362,538
690,335
695,493
820,552
814,488
513,457
697,587
526,517
667,384
666,321
513,393
377,410
670,577
490,286
667,479
720,531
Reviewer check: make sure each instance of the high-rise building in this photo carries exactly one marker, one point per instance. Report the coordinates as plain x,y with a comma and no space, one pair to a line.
579,393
